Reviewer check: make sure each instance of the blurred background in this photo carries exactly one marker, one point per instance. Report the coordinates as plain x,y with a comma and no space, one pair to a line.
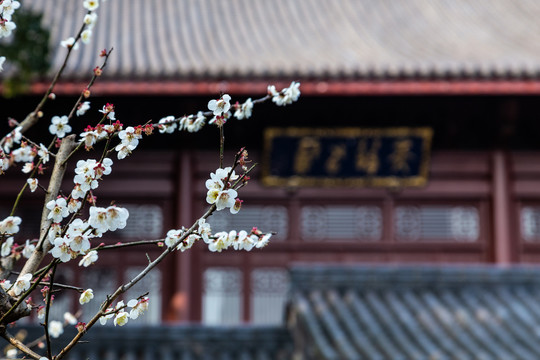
411,160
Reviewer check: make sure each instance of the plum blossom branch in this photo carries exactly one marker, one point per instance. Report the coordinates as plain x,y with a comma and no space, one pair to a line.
18,344
47,311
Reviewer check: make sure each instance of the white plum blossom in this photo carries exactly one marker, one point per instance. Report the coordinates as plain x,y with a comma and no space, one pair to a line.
4,163
2,61
138,307
41,313
5,250
10,225
109,314
244,111
62,249
8,7
68,43
28,249
187,243
220,242
6,28
86,35
129,141
103,168
85,106
129,136
89,138
116,217
225,199
86,296
292,93
98,219
43,154
91,5
11,353
197,124
286,96
77,192
220,106
56,328
108,110
243,242
237,206
90,19
217,194
204,230
88,259
59,126
22,284
13,137
58,209
173,236
54,231
85,175
86,167
23,154
263,241
124,150
167,124
74,205
27,167
80,242
121,318
70,318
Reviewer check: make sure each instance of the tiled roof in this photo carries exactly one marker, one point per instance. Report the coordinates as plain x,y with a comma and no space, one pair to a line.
321,39
392,313
189,342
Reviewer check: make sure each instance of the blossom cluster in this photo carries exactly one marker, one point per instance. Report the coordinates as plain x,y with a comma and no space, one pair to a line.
286,96
218,241
90,20
26,153
220,191
76,239
20,286
7,9
121,317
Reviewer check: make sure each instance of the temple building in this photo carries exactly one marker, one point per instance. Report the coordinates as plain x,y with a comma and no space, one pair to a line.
402,180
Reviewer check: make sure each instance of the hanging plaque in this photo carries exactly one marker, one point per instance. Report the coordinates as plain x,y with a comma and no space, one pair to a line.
388,157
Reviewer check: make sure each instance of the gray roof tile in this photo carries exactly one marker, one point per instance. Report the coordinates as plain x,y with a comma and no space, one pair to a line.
409,312
324,39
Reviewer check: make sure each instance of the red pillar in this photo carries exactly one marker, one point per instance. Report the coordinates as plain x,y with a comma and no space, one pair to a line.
183,261
502,235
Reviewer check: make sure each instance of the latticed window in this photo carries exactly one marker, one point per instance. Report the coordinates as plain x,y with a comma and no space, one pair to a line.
450,223
530,223
269,288
341,223
222,296
145,222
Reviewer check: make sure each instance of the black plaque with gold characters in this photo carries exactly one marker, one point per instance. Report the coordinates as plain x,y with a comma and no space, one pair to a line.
386,157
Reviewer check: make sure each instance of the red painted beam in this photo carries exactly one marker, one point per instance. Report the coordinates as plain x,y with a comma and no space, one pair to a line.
308,87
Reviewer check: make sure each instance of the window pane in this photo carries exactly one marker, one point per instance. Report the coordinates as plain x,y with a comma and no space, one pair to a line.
341,223
222,296
455,223
530,223
145,221
269,288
